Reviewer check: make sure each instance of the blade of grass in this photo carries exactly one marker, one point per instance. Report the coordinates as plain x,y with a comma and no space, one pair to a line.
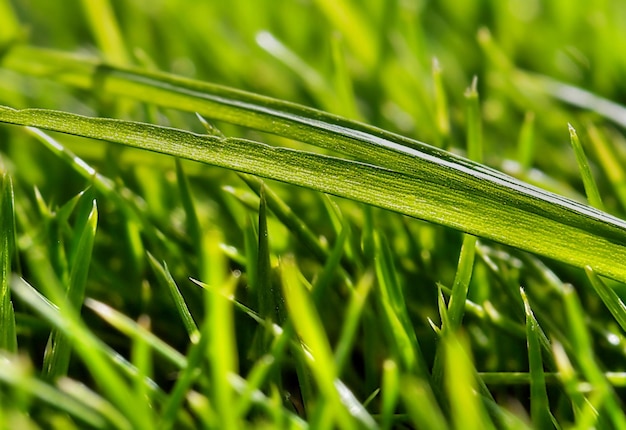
441,104
342,83
581,98
9,25
271,302
603,397
141,358
352,318
509,211
165,278
311,331
86,345
390,389
467,409
221,351
14,372
363,142
539,403
609,160
8,338
134,330
396,317
421,405
106,30
287,216
616,379
463,276
611,300
591,189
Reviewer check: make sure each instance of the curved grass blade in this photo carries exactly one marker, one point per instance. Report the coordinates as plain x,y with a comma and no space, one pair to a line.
463,195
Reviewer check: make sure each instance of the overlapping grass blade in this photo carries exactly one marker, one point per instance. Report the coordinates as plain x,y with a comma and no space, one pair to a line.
425,183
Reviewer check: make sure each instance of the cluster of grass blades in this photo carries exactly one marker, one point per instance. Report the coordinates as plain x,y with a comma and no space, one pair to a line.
181,254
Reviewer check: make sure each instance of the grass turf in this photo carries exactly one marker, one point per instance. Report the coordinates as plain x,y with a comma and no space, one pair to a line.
142,290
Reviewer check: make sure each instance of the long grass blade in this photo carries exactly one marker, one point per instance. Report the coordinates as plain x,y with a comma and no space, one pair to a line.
461,189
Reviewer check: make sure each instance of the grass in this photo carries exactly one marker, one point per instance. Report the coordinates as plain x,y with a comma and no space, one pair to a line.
223,215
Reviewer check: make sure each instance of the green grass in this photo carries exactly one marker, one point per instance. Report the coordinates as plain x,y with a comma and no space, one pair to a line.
312,214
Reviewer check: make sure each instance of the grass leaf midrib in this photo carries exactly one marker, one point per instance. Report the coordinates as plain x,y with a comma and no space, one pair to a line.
446,197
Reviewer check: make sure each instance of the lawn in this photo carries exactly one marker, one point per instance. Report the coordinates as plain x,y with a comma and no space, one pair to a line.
312,214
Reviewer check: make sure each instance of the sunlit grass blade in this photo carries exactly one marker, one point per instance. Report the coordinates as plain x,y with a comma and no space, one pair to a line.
540,405
474,123
94,401
456,306
8,339
585,413
442,188
354,27
9,25
591,189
